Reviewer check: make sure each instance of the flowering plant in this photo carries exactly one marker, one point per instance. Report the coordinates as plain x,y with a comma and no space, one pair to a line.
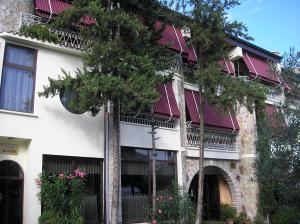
62,197
172,207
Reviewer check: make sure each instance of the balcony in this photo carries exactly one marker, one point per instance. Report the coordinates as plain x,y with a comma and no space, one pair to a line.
67,39
212,140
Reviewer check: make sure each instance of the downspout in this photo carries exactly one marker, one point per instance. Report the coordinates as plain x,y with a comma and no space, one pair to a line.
106,166
170,109
51,12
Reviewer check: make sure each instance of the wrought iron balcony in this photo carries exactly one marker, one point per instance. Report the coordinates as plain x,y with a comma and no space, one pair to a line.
67,39
146,120
212,140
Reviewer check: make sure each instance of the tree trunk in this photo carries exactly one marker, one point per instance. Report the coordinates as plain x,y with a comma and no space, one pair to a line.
116,159
201,160
153,162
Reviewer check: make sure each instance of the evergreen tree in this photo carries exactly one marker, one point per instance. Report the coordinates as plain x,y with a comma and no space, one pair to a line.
278,164
210,28
121,63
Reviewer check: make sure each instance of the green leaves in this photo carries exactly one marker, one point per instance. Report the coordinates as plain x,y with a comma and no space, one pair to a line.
121,59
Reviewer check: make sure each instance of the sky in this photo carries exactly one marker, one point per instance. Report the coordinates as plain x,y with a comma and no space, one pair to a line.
274,24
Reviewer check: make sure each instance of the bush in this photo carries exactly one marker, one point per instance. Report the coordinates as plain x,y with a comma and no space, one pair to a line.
62,198
259,219
40,32
173,207
241,218
227,212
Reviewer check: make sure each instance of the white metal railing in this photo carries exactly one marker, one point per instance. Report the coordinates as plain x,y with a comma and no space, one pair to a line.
67,39
147,121
212,140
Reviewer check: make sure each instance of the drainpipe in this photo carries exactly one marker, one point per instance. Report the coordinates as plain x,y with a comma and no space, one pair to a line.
51,12
106,166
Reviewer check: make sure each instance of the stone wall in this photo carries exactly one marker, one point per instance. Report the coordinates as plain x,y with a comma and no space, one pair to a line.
238,174
10,13
248,137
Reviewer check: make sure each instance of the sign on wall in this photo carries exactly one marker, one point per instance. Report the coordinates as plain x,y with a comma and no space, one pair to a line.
8,148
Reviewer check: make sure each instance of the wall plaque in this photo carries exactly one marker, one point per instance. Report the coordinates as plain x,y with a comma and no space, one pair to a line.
8,148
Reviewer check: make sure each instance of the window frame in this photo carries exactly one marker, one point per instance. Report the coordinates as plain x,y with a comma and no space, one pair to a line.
21,67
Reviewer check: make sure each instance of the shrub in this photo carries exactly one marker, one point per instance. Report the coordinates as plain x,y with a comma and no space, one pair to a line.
227,212
172,207
40,32
259,219
62,198
241,218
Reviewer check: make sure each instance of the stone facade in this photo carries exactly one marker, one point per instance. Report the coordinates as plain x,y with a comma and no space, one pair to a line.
10,13
238,174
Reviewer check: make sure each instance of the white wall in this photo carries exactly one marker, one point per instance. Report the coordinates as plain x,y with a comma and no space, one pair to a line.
51,129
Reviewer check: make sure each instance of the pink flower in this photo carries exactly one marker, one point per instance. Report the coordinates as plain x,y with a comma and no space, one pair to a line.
38,182
79,173
70,177
170,198
154,221
61,176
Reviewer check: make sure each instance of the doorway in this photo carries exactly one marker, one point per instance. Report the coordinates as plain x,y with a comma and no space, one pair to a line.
11,192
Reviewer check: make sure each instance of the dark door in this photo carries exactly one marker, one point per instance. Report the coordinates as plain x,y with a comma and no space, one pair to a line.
11,193
211,197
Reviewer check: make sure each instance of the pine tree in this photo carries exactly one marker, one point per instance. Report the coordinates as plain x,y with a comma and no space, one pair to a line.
121,63
210,28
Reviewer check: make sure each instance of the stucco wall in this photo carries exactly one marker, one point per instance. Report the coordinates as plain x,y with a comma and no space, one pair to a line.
51,129
10,12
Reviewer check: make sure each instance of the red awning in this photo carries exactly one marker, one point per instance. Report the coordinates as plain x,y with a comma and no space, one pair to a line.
227,66
259,67
212,117
272,113
44,9
167,105
172,37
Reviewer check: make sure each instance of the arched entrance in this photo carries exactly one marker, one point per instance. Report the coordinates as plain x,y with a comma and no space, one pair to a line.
11,192
216,191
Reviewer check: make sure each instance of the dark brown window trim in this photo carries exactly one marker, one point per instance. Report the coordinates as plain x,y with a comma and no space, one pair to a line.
22,67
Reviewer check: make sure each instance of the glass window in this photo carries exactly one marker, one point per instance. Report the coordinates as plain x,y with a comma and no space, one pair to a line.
93,169
18,78
136,179
68,99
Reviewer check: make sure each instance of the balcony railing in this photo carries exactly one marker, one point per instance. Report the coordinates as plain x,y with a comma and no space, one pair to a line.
146,120
212,140
67,39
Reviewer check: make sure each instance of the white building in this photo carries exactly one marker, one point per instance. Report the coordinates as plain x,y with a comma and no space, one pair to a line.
39,134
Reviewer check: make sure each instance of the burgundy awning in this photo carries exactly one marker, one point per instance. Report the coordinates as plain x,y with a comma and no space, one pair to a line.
167,105
259,67
213,118
272,113
43,9
172,37
227,66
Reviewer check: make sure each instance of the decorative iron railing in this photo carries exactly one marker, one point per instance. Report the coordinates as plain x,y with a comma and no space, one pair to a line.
146,120
212,140
67,39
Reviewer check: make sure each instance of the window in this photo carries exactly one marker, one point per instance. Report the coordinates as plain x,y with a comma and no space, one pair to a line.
94,174
68,99
18,78
136,178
